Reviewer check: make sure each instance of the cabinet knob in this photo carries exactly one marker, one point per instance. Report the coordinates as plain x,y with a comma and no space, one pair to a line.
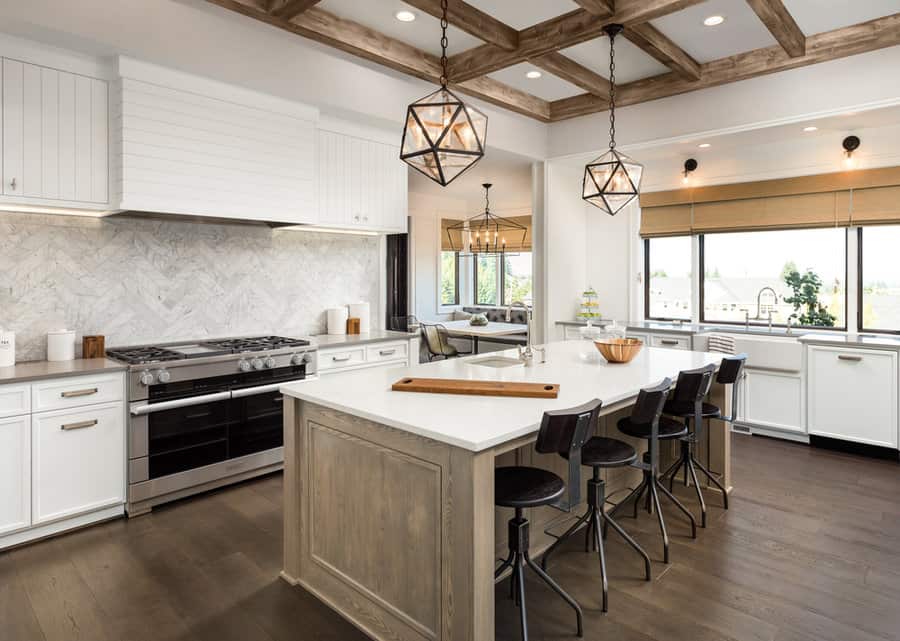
12,184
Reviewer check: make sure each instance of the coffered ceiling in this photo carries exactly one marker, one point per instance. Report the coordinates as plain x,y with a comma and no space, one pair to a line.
666,48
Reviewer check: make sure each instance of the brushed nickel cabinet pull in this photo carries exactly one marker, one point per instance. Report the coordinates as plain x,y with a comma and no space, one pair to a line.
78,426
845,357
81,392
669,342
341,359
387,352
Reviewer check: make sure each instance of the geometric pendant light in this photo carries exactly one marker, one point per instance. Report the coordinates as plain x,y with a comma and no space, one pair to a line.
443,136
487,234
613,180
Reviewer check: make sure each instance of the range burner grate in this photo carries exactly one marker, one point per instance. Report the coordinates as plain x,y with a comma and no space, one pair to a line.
258,343
139,355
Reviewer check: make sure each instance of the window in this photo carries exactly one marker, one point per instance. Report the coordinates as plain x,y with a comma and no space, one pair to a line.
879,279
667,287
501,283
486,280
449,278
793,273
517,279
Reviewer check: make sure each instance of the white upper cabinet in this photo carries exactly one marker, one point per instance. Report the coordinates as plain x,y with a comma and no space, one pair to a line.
362,183
55,137
192,146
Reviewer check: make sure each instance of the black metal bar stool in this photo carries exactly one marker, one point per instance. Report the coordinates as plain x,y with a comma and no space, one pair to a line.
687,403
600,452
562,432
647,422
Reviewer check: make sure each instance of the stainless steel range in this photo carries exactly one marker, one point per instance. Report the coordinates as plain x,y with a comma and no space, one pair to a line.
207,413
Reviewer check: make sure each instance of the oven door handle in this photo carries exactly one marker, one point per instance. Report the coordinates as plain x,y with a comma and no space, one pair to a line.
145,408
265,389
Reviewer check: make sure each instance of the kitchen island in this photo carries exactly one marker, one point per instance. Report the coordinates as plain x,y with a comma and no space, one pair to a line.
389,496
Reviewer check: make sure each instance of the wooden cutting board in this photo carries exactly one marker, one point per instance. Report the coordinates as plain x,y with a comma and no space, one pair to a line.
476,388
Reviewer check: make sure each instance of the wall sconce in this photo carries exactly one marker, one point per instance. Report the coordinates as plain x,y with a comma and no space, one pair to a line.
690,165
850,144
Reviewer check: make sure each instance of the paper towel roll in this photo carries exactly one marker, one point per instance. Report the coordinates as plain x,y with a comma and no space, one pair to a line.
364,314
7,349
61,345
337,320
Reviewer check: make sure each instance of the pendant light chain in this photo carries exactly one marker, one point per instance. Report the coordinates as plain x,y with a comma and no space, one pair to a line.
444,25
612,91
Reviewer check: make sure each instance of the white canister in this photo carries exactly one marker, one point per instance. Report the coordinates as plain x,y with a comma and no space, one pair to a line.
61,345
337,320
7,349
364,314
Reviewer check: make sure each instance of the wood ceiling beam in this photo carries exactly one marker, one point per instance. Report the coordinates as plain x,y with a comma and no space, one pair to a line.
361,41
602,8
822,47
781,24
655,43
558,33
473,21
290,9
569,70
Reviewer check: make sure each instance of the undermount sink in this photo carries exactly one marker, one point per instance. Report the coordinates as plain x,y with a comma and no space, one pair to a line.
497,361
770,352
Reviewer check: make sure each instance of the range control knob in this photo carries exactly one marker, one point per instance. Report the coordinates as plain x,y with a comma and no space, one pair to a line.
269,362
299,359
256,363
163,376
146,378
244,365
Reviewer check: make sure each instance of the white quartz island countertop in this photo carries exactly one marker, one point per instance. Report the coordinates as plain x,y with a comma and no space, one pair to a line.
476,423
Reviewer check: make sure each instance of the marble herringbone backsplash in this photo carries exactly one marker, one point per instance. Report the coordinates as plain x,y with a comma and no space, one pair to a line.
137,281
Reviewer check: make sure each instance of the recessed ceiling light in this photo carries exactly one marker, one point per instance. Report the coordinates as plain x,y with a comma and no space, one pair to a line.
713,21
533,74
810,128
704,145
405,16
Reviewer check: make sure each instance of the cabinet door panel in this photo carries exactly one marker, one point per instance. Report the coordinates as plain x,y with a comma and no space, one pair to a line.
50,133
99,141
66,150
853,395
83,178
78,461
15,473
31,137
13,126
774,400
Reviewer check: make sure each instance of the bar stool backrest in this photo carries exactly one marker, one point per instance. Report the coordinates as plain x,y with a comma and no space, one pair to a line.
730,374
694,384
647,411
565,431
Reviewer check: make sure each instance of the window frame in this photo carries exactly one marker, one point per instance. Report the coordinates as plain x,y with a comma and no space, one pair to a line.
860,293
647,315
836,328
456,264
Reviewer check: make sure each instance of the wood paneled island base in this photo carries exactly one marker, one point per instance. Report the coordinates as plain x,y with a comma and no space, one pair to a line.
396,530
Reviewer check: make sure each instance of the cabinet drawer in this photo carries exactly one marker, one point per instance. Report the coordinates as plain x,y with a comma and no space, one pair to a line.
15,400
387,352
672,342
334,359
853,395
78,461
76,391
15,473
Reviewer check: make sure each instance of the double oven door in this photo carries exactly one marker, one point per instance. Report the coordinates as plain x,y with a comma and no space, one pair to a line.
185,426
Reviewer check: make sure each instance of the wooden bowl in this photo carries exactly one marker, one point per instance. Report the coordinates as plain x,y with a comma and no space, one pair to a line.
619,350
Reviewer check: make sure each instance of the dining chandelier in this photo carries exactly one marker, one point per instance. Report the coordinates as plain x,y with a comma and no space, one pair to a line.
486,234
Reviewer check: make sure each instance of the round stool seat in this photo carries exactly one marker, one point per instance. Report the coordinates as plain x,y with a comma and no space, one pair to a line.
522,487
668,428
686,409
600,451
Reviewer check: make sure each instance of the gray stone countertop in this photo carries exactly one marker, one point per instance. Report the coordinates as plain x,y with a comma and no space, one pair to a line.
865,341
37,370
375,336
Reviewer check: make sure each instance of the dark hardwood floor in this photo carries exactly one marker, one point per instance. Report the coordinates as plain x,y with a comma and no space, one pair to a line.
809,551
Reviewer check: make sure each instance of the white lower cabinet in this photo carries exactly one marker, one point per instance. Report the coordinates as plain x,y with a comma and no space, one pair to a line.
380,354
853,394
15,473
773,400
78,462
670,342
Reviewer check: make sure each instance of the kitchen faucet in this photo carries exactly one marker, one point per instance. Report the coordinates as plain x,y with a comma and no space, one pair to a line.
759,302
509,308
526,355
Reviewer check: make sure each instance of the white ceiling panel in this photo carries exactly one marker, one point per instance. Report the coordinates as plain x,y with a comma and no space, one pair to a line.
631,62
424,32
742,30
520,14
548,86
816,16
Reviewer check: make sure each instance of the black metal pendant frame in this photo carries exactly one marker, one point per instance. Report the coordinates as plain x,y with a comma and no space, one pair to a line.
597,195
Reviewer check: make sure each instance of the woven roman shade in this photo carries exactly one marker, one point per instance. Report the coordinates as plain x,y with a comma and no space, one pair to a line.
447,233
865,197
